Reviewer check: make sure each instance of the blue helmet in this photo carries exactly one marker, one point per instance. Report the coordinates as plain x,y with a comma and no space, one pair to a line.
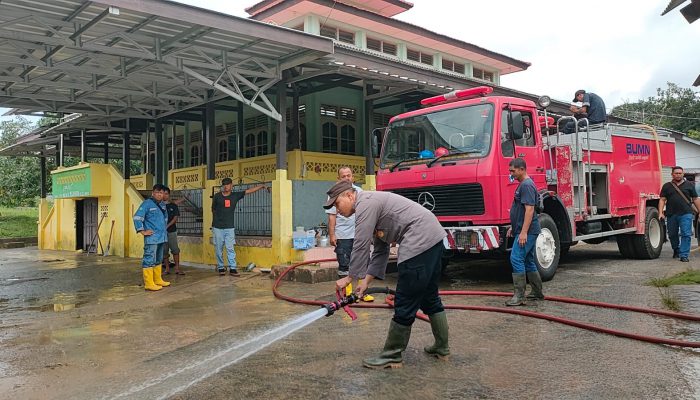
426,154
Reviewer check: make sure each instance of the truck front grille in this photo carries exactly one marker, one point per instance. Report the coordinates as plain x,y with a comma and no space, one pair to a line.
449,200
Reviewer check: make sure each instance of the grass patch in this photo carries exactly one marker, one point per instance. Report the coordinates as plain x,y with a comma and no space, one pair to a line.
18,222
689,277
669,299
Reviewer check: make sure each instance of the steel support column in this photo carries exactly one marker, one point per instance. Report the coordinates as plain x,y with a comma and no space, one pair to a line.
42,184
203,132
159,152
281,143
60,150
126,155
369,111
83,146
210,113
239,131
106,151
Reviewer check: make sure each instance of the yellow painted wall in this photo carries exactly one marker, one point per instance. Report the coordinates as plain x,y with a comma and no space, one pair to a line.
119,199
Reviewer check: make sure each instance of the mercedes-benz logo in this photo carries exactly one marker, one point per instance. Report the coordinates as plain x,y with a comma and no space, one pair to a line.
427,200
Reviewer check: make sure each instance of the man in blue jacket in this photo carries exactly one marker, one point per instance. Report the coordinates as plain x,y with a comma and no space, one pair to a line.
150,220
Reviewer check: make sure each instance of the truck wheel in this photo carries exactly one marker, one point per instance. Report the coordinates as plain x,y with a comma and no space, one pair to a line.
648,246
624,244
547,248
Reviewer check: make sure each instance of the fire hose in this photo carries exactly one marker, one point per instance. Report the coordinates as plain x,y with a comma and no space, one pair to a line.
345,302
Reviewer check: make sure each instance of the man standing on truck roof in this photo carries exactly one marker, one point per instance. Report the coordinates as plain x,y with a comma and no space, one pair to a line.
591,105
679,197
525,227
382,218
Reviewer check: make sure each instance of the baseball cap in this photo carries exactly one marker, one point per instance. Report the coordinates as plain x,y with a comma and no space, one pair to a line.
335,191
578,92
226,181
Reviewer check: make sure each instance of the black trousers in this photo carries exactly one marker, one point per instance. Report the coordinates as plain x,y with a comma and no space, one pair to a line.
343,249
418,285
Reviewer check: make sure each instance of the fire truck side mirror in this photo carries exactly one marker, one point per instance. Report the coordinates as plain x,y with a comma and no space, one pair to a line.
377,135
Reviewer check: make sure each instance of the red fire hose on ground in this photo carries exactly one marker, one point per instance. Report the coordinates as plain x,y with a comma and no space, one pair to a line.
517,311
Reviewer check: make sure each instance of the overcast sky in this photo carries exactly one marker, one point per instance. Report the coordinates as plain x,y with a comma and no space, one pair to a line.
620,49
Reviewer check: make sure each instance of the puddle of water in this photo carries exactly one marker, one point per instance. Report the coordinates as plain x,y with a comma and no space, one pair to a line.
191,372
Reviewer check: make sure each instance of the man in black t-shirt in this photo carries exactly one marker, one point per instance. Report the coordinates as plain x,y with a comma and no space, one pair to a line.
677,196
223,206
171,245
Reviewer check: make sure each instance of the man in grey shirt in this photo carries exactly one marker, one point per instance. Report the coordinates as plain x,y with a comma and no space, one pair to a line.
382,218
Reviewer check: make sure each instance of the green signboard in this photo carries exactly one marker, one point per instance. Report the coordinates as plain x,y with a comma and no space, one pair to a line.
73,183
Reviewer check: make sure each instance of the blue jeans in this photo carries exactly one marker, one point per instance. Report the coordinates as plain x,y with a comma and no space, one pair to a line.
152,255
522,258
227,238
685,223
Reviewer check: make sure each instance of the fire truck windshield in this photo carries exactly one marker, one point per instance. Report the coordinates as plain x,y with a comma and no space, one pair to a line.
463,132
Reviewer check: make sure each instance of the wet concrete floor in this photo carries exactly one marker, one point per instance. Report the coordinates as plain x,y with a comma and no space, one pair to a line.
81,327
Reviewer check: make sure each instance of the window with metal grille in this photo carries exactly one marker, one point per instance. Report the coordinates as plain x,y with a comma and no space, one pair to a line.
347,139
479,73
338,129
419,56
223,150
389,48
179,157
179,140
262,148
346,37
196,136
453,66
329,111
194,156
170,158
329,32
330,137
249,145
374,44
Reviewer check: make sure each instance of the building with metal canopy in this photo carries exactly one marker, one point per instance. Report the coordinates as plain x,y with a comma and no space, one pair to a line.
285,97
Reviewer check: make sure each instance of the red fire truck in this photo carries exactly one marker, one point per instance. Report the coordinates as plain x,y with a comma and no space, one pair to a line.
600,181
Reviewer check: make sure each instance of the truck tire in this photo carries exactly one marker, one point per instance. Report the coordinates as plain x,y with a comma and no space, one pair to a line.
624,244
648,246
547,248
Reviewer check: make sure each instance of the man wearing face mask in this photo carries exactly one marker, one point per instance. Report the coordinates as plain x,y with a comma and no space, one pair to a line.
382,218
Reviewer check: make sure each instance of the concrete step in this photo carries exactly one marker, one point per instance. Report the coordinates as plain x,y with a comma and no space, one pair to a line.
312,273
14,245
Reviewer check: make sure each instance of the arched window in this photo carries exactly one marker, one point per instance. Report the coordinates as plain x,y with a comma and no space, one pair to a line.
249,145
330,137
347,139
262,143
179,157
194,156
223,150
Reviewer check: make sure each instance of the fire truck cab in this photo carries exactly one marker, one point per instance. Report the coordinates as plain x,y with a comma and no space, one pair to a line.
452,157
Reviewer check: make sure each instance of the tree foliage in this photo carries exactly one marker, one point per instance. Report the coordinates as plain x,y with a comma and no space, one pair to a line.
675,108
21,177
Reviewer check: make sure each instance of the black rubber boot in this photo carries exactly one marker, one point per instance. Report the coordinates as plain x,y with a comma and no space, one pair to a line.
441,348
396,342
536,285
518,291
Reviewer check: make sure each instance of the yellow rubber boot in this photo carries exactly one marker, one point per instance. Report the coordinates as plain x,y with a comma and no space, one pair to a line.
148,279
157,278
367,298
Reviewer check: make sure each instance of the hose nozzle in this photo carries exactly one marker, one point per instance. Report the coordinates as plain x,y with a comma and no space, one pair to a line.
340,303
